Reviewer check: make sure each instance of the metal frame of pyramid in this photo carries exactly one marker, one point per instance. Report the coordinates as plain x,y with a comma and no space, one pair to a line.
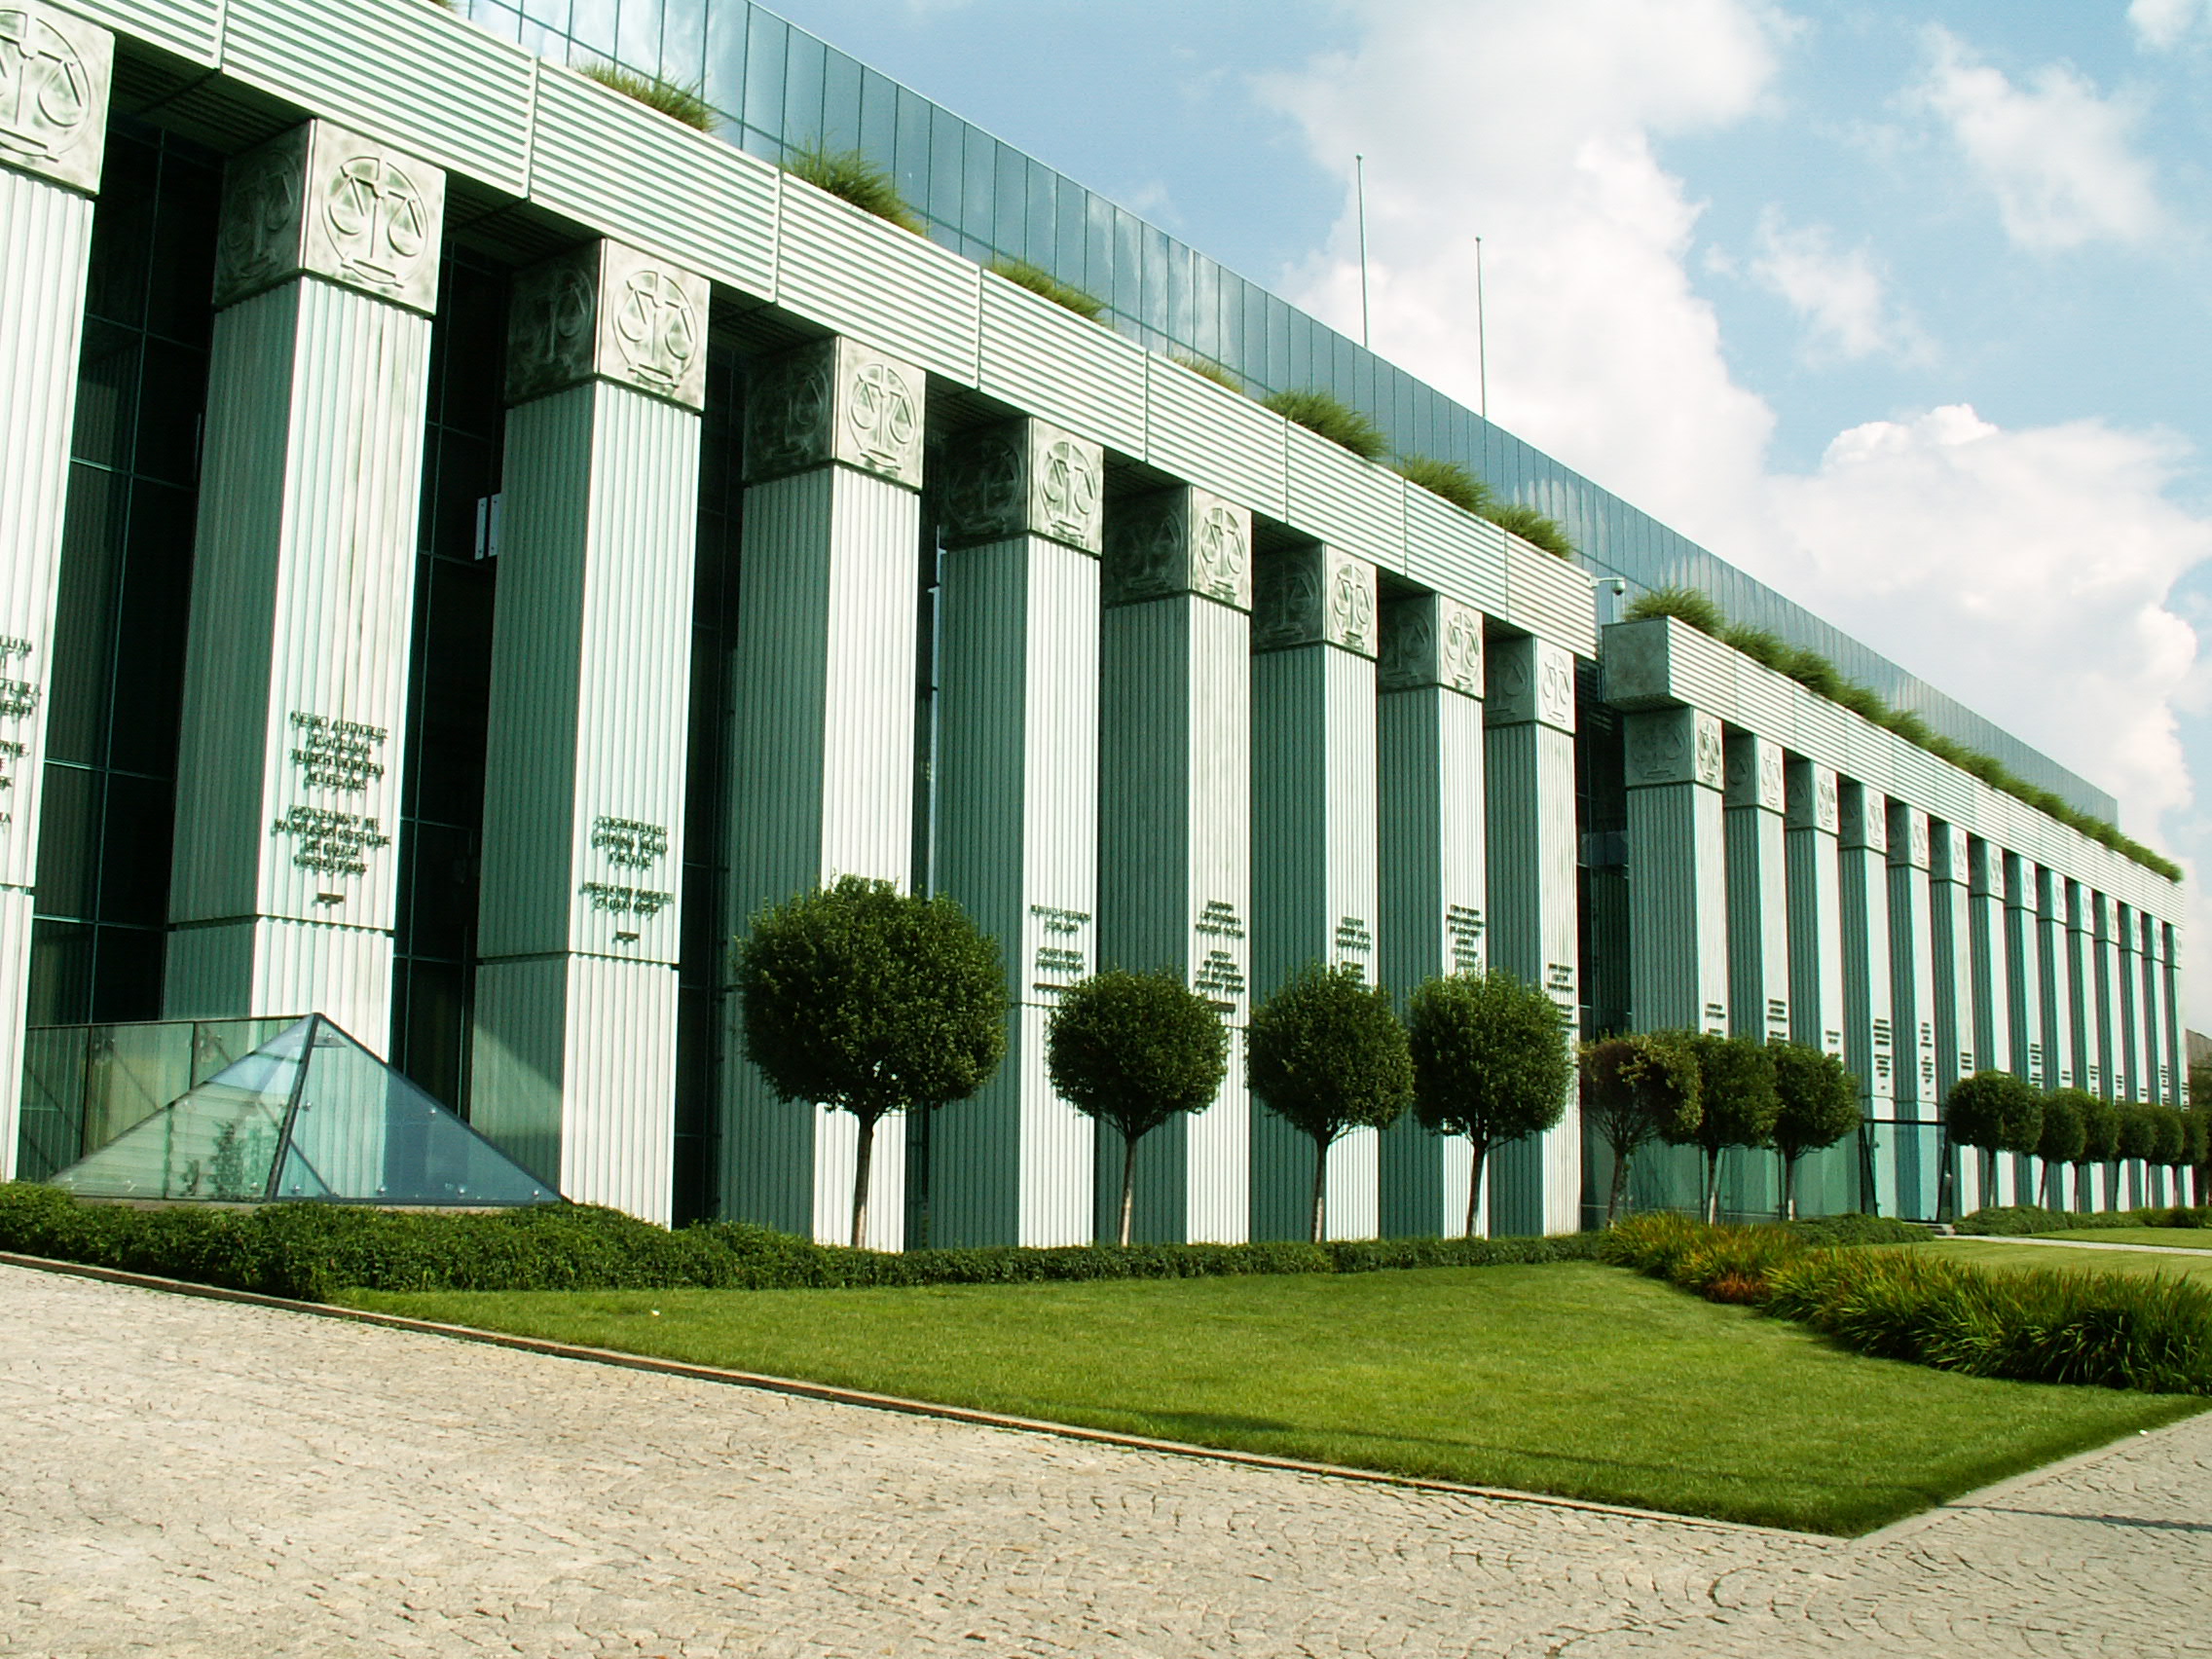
310,1114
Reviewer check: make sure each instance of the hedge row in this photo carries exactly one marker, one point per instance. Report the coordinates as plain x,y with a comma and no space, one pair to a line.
2042,1325
2017,1221
313,1251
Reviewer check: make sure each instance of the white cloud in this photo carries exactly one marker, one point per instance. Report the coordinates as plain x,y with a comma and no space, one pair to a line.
1842,296
2024,570
2161,24
2056,155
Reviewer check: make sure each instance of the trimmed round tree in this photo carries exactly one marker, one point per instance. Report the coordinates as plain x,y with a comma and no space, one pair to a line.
1637,1089
1995,1112
2173,1136
2138,1130
2063,1136
1737,1099
2197,1120
1490,1063
1819,1106
1134,1051
1326,1054
871,1000
2100,1137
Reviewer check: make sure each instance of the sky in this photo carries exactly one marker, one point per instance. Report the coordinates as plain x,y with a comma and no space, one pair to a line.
1905,310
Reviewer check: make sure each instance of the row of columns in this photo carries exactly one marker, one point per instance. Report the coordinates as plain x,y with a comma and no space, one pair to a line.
1859,926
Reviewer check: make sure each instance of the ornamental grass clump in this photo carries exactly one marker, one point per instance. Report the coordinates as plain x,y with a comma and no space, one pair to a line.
1205,368
1331,418
1683,604
1449,480
677,100
850,176
1041,282
1531,526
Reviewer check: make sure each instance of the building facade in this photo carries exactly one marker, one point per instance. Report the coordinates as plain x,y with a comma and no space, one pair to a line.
477,540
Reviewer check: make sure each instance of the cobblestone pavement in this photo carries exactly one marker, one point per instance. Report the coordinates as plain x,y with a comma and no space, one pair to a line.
187,1477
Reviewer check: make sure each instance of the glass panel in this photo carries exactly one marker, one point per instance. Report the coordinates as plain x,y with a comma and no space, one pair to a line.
726,27
107,393
878,117
913,159
803,89
764,74
52,1132
68,843
948,152
131,1073
637,41
841,124
591,26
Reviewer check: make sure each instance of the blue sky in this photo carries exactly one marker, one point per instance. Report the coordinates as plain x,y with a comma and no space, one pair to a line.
1905,310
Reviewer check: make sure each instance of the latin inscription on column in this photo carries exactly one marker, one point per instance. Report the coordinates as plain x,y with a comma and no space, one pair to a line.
1220,975
1059,959
1463,928
331,755
19,701
628,844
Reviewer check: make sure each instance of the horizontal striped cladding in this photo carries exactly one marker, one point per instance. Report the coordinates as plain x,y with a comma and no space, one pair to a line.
413,74
344,972
189,28
44,236
1353,505
1677,905
1765,703
1550,598
15,992
618,1087
1044,359
1821,730
866,279
629,171
1215,438
1456,553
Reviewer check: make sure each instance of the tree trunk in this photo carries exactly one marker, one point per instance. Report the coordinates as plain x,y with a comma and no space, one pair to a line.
1128,1180
1712,1186
1321,1187
1620,1183
1789,1188
860,1183
1475,1182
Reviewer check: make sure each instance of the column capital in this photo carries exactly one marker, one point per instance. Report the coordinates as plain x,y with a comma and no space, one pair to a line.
835,401
1810,796
609,311
2019,882
1865,818
1909,836
1313,595
1531,682
1950,853
321,201
1754,771
1430,640
1177,540
1673,746
55,73
1021,477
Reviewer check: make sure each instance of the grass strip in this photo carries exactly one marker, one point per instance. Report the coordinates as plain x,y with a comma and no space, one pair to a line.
1570,1379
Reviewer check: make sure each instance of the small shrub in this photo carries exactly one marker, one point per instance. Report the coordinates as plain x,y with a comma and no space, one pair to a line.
676,100
2017,1221
1205,368
1760,645
1683,604
850,176
1331,418
1812,671
1853,1228
1531,526
1449,480
1038,280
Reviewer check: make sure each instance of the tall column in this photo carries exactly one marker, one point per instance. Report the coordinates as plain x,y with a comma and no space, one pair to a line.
1314,893
2157,1060
2127,999
2023,961
1958,989
1175,826
1535,1185
2054,958
2087,1012
1676,872
579,927
2105,927
822,779
1912,997
1992,964
53,85
1757,889
1811,823
284,887
1869,1044
1017,811
2169,1002
1434,884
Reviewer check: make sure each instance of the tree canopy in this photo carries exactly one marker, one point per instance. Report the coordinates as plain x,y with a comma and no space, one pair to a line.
1819,1106
1490,1062
1326,1054
1637,1089
1738,1100
870,1001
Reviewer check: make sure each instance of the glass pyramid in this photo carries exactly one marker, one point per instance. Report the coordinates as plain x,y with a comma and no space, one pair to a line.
310,1114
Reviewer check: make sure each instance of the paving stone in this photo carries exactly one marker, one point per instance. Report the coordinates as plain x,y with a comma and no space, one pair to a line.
188,1477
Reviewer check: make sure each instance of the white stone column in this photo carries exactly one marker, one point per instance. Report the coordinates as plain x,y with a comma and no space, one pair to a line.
579,927
2127,998
285,878
1912,1000
1811,823
1992,965
1017,811
2158,1063
2055,960
2169,1002
2089,1068
1434,878
1956,989
1176,827
1757,891
54,86
2105,934
1536,1185
1315,894
1678,887
2023,961
822,778
1869,1040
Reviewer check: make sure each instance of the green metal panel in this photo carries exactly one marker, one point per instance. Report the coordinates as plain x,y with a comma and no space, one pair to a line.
1677,872
1959,992
190,30
1357,506
1815,898
1044,359
1757,893
1454,552
2023,963
871,281
2055,960
1215,438
1869,1044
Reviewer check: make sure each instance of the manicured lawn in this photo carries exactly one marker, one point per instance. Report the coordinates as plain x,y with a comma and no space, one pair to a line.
1571,1377
2171,1237
2005,1253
